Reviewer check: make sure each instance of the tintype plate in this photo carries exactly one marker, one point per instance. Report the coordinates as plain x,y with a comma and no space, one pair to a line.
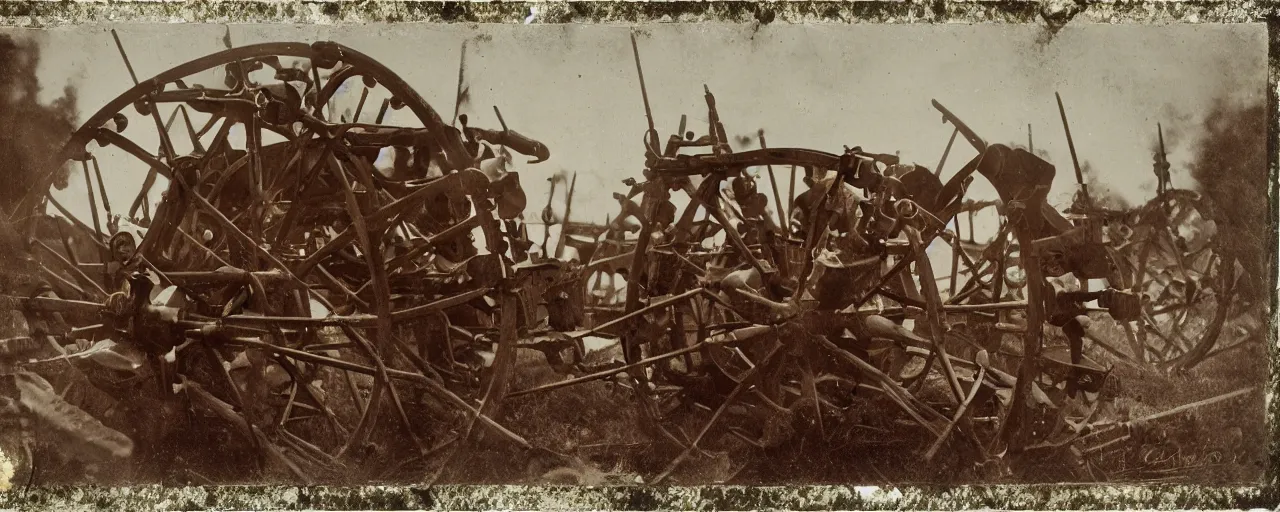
680,263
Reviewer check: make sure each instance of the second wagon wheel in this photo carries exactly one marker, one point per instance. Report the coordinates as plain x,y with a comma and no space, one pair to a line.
964,289
261,223
1002,300
1187,282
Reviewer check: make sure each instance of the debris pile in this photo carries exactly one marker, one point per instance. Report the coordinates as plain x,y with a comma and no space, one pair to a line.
347,303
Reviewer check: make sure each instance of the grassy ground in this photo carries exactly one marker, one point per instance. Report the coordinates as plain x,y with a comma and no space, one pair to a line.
594,433
873,443
1220,443
595,422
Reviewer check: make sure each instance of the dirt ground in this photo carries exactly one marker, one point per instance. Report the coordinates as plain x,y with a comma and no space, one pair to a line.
600,424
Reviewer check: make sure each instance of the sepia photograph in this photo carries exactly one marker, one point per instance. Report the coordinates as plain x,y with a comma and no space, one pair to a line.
650,255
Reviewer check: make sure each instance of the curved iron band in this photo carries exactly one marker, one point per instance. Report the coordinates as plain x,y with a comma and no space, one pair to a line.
512,139
447,137
455,153
339,77
1016,175
468,181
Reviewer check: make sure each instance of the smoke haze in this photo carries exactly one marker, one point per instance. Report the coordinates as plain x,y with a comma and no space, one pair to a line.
31,133
1230,168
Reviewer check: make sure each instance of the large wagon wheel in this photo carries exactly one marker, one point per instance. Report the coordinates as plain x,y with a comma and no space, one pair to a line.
971,313
262,251
782,365
756,346
1188,282
1014,309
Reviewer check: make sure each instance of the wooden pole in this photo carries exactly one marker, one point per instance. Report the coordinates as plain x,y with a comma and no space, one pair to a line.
945,152
564,223
791,198
773,182
1072,146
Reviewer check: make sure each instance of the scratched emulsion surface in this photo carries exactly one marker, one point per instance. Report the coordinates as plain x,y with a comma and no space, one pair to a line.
1039,26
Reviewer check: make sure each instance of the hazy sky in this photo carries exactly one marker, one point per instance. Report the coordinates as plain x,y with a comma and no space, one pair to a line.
816,86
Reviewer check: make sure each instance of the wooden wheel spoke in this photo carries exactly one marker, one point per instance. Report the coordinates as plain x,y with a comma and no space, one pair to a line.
215,194
382,294
93,203
74,268
747,381
401,261
933,310
364,95
374,355
258,195
75,221
207,251
191,130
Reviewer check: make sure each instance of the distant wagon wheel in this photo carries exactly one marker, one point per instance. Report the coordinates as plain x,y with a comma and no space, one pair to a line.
755,350
979,300
293,267
1188,283
773,352
1001,301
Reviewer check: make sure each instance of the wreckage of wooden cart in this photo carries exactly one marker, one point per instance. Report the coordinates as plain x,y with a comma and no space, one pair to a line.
340,297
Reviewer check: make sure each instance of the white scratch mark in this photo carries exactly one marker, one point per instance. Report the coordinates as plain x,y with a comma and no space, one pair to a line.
6,472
